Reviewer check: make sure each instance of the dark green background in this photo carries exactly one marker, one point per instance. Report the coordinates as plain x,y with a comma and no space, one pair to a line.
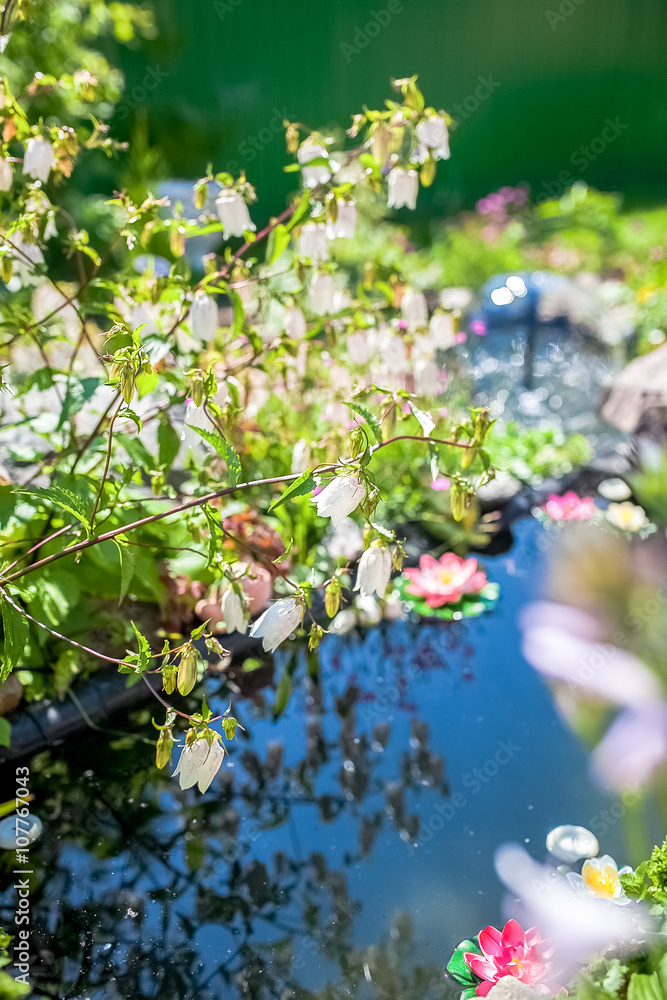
227,71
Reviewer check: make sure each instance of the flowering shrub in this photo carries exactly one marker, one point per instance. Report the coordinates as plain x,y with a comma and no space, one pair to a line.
154,396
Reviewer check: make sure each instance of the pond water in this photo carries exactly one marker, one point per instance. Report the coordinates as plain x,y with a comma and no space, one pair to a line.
348,844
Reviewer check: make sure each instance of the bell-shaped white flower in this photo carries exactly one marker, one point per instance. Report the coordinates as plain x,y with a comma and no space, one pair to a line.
26,254
6,174
414,309
374,571
277,623
38,159
295,323
403,188
300,456
322,291
351,172
346,542
234,612
320,173
358,348
233,213
199,763
441,329
314,242
432,133
339,498
369,611
346,221
426,374
203,318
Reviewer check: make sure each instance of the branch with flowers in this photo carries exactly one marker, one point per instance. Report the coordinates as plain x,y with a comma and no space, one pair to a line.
157,389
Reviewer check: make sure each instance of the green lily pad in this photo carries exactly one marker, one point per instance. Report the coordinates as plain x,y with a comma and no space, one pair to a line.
470,605
459,969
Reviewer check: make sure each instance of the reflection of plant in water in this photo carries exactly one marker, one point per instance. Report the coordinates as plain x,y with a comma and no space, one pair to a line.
132,868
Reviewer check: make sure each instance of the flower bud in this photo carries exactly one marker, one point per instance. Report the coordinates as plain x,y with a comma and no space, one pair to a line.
169,678
315,637
332,597
457,500
127,385
165,743
358,442
187,670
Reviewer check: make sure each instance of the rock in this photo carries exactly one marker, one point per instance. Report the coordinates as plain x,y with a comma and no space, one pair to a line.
640,391
509,988
11,692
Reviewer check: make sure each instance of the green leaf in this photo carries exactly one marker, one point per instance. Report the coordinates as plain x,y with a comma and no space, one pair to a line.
239,312
283,693
128,561
137,451
370,419
5,733
15,631
301,209
78,393
457,966
168,443
424,420
277,244
304,484
225,450
146,382
60,497
215,533
644,987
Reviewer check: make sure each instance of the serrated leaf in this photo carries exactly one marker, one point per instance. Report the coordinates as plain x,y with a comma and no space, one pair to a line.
225,450
370,419
215,533
304,484
15,631
62,498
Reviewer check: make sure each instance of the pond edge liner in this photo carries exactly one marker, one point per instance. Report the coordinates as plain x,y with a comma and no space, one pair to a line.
37,726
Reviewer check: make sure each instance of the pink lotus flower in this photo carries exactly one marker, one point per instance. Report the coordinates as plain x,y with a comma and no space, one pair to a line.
510,952
445,580
570,507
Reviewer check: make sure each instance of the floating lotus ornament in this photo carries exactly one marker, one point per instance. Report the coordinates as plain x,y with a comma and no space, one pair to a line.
600,877
494,955
572,843
449,587
569,507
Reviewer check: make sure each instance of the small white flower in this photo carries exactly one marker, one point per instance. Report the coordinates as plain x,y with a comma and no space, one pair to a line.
199,764
233,213
6,174
414,309
203,318
347,541
322,291
344,621
234,612
38,159
346,221
441,329
300,456
277,623
403,188
339,498
295,323
314,242
368,610
374,571
351,172
319,174
432,133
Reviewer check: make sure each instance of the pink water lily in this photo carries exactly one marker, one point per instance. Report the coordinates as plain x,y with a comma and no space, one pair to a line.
445,580
510,952
570,507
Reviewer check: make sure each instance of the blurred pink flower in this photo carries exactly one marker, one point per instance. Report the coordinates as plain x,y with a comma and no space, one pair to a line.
445,580
441,483
478,327
570,507
510,952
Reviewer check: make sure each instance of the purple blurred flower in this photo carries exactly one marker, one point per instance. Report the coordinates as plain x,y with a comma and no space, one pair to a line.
478,327
441,483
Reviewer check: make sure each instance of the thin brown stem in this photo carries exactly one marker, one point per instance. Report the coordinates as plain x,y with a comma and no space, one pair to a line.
107,463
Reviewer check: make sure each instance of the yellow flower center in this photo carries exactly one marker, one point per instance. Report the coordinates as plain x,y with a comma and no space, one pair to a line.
602,882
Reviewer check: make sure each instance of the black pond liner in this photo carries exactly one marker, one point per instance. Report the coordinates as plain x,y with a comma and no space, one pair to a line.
47,723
